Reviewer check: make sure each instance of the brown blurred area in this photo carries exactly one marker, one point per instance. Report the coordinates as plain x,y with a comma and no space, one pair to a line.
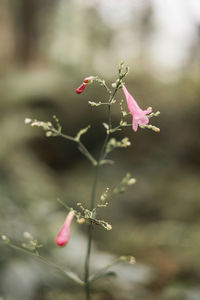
47,48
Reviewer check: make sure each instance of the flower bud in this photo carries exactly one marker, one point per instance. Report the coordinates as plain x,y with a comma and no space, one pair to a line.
156,129
81,221
27,121
86,81
129,259
64,233
4,237
114,85
81,88
109,227
27,235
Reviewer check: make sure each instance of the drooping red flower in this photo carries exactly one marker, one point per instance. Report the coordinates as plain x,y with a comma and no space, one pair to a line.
63,235
138,115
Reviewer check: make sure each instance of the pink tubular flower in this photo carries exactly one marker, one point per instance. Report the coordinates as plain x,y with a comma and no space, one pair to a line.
139,115
62,237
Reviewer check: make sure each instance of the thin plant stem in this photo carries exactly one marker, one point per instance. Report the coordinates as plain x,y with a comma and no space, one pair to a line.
92,201
87,259
66,273
83,149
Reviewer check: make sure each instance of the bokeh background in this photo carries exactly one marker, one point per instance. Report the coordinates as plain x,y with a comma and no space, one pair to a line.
47,48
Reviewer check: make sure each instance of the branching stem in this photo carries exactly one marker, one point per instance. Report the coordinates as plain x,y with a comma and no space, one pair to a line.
92,201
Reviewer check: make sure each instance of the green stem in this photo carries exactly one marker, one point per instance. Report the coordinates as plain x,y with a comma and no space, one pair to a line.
67,137
67,273
83,149
92,201
87,259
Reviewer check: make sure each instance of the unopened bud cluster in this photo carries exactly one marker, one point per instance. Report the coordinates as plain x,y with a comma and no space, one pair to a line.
31,244
113,144
124,184
129,259
48,127
90,216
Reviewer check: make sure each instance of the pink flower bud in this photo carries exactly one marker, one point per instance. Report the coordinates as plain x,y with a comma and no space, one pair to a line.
81,88
86,81
62,237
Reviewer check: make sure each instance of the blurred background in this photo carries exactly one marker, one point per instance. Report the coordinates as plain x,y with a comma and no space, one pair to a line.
47,48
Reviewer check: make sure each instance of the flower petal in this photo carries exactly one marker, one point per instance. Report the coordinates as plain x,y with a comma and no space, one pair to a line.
134,124
131,103
147,111
143,120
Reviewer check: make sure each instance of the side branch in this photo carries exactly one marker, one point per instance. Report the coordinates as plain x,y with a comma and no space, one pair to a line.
70,275
55,130
81,148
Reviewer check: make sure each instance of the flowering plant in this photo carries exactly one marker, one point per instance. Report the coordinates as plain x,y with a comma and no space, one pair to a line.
90,215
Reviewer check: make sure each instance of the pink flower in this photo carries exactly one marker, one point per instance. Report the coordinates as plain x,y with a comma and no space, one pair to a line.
64,233
139,115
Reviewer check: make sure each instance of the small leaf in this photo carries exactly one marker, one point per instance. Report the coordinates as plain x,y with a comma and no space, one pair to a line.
94,103
81,132
107,161
106,126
